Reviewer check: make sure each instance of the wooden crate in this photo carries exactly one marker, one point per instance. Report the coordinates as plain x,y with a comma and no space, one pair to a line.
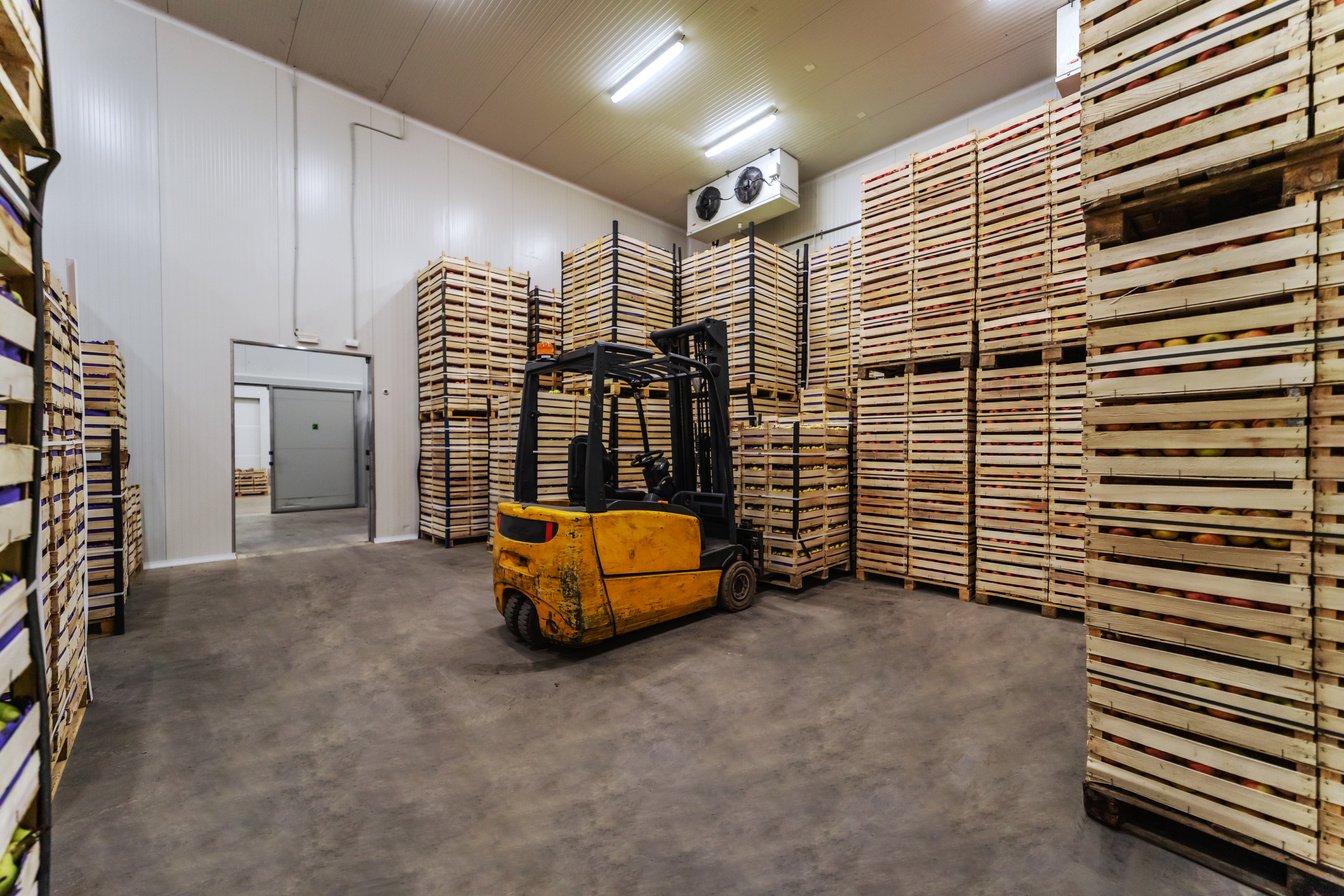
1068,485
1066,287
1174,92
252,482
472,331
793,486
454,478
616,289
1012,494
1201,345
756,289
914,436
1327,67
1014,230
833,315
1203,731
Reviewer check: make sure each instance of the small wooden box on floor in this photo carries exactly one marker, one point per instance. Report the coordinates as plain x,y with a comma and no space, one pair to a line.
252,482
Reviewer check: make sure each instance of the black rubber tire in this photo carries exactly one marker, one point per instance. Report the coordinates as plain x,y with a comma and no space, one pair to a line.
529,625
511,613
737,588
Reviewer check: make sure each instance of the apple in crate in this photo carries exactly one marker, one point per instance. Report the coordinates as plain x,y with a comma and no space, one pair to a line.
1209,539
1256,785
1201,768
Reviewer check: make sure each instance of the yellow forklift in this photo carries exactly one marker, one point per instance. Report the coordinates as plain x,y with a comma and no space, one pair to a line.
620,559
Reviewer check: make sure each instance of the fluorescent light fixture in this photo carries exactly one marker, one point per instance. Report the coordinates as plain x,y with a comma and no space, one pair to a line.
750,128
650,67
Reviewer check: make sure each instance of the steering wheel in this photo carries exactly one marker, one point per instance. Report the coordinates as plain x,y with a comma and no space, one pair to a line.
644,460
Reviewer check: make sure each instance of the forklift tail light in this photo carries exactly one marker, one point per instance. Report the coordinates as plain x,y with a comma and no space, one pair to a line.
528,531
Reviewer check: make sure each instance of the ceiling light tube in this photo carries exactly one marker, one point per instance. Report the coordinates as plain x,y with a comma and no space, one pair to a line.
748,129
650,67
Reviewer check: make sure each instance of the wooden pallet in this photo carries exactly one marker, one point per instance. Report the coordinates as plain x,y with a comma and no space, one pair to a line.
1227,852
1172,93
864,573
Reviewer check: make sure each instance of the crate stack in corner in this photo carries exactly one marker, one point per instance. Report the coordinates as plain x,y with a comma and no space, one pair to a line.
1210,428
64,564
108,459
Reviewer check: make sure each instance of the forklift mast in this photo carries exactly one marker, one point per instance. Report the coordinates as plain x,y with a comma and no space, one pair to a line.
692,359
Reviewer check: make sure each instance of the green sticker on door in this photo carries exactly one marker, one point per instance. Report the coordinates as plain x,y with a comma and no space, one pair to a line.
314,426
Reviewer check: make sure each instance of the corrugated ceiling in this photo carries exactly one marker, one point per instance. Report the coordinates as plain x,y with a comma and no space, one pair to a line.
530,79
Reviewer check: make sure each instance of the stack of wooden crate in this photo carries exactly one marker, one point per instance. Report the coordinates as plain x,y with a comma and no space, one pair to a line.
1212,426
794,487
833,320
1030,503
104,394
251,482
63,519
455,475
135,530
756,289
475,328
1066,283
617,289
472,333
105,414
914,447
1014,233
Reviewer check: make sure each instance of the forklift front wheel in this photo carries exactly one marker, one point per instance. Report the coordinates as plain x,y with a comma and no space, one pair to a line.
737,588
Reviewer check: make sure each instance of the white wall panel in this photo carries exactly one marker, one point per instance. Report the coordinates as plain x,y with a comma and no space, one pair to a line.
103,209
409,199
178,200
221,270
539,226
480,218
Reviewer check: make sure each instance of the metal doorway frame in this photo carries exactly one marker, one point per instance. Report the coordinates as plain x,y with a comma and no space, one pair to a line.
370,449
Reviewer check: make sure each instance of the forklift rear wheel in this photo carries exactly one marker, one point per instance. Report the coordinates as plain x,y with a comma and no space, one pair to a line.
737,588
529,625
511,612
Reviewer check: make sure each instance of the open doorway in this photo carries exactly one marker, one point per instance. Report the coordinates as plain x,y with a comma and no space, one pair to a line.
302,449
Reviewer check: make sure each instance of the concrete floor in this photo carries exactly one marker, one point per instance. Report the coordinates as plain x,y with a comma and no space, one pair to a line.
358,721
257,531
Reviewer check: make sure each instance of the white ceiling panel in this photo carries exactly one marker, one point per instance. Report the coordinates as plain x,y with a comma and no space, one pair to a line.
530,79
